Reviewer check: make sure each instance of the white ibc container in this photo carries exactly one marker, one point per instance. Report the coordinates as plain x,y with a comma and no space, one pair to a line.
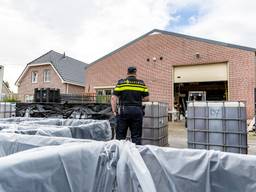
7,109
155,122
156,109
217,125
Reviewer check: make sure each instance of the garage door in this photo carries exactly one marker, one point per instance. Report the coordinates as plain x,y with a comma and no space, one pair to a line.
201,73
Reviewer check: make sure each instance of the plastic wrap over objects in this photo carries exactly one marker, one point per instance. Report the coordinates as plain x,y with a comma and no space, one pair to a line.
75,128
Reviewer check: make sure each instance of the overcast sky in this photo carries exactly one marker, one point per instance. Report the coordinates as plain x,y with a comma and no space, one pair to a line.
87,30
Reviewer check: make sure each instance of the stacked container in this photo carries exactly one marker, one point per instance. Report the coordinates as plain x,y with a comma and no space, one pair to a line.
7,109
155,124
217,125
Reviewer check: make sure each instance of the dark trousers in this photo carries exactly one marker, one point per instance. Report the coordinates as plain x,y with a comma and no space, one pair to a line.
130,116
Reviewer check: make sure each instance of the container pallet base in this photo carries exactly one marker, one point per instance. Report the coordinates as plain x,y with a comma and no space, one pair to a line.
158,142
219,147
154,133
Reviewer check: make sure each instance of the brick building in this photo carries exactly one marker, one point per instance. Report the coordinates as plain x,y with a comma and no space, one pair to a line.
51,70
178,67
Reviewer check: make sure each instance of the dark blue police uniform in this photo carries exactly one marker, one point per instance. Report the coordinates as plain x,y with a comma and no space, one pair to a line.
130,92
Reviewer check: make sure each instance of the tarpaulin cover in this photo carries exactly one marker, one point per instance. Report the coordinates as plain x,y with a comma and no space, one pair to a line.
76,167
82,129
64,168
12,143
180,170
46,121
122,166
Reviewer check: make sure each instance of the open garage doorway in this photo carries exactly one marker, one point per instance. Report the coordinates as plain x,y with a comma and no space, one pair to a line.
203,82
201,91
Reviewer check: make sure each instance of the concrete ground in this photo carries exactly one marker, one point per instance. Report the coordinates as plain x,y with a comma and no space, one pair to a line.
178,137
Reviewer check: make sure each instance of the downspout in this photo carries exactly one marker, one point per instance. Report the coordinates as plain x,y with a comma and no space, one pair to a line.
254,91
67,88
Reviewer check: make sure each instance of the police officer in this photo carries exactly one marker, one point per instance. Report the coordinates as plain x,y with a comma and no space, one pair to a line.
130,92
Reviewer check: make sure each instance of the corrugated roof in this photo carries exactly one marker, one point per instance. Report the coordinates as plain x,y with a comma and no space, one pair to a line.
157,31
70,69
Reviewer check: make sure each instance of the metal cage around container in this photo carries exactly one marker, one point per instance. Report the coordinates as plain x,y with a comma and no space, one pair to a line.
155,124
156,109
7,109
218,126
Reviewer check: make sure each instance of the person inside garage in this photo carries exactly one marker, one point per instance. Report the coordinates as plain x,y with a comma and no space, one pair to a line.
130,93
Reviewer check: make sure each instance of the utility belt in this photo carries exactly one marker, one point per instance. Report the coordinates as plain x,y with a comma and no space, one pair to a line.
121,108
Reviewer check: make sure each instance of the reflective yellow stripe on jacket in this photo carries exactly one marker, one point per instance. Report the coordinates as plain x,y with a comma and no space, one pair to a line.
131,87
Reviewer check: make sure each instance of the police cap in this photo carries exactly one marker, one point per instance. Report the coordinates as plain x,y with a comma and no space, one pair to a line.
132,70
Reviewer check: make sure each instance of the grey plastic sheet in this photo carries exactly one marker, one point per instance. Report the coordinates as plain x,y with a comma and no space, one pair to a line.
46,121
112,152
182,170
59,122
82,129
65,168
119,166
76,167
11,143
132,173
44,131
17,119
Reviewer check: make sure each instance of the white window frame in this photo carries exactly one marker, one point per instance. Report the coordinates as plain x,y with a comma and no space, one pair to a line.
34,74
47,75
29,98
99,92
103,91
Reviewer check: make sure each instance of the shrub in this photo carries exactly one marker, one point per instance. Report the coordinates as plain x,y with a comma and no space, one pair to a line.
7,99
